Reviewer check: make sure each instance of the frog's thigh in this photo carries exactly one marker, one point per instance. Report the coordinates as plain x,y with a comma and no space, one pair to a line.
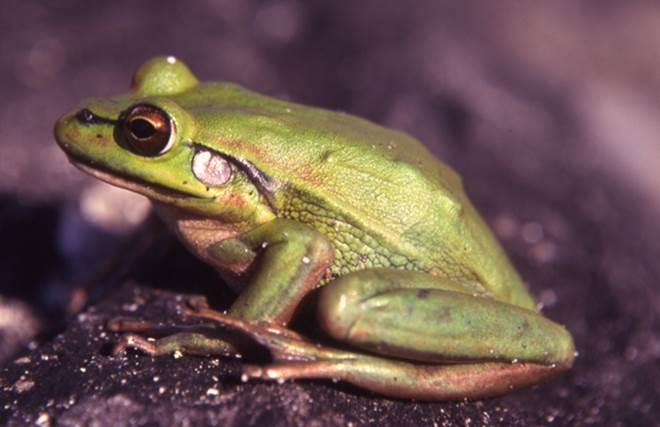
420,317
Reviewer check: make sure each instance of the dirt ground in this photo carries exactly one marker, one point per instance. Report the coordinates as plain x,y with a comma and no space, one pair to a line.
547,110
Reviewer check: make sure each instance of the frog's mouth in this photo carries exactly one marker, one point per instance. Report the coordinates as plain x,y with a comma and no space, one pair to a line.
136,185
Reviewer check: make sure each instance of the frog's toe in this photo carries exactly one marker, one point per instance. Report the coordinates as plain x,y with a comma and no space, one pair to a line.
283,344
253,328
121,324
136,342
282,371
198,302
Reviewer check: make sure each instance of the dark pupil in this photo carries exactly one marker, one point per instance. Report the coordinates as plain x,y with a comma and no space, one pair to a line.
141,128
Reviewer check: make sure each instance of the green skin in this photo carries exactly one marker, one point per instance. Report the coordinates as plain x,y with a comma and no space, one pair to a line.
412,280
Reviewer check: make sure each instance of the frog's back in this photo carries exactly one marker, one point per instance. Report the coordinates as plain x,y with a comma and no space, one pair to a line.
379,194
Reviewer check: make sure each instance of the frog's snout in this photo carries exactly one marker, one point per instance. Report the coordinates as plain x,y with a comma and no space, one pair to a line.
60,131
72,134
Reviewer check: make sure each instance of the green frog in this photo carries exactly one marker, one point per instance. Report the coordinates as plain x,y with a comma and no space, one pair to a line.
411,289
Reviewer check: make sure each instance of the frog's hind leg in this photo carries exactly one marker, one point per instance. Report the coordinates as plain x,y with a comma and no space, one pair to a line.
294,357
435,340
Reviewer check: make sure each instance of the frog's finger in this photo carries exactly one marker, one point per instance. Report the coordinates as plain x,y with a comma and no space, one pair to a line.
120,324
420,317
183,342
407,380
249,327
283,344
152,329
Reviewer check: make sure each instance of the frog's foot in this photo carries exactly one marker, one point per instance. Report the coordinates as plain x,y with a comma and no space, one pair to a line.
201,339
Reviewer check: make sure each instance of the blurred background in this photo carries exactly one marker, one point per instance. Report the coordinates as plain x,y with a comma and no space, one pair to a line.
526,100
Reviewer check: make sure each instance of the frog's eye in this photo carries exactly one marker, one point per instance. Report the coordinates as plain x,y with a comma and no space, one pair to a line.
147,130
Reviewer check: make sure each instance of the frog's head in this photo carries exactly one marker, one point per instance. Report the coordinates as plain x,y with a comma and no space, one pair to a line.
143,141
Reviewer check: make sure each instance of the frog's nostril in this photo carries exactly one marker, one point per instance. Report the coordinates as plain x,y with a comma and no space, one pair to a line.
85,116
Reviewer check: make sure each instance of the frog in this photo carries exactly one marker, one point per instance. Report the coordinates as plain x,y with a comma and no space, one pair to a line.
298,207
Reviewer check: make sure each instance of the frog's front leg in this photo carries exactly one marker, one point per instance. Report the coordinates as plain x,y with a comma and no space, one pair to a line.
292,258
441,340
